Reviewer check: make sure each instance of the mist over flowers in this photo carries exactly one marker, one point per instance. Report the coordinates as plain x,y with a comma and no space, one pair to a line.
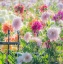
31,31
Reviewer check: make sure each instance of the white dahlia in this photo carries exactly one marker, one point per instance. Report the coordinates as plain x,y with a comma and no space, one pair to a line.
53,33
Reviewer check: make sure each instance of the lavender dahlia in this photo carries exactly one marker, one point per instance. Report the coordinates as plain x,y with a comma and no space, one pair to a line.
3,3
27,57
53,33
19,60
45,16
60,5
17,23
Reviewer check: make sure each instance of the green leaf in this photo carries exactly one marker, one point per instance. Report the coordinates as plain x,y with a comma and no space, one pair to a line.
1,62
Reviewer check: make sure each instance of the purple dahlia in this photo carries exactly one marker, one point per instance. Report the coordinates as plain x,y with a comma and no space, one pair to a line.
58,16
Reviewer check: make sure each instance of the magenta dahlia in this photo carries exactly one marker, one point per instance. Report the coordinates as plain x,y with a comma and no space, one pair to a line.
36,26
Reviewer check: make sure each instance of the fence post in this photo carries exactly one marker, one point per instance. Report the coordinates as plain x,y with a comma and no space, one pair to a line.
18,40
8,41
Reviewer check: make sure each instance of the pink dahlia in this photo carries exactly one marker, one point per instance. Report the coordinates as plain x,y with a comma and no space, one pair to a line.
53,33
36,26
37,40
27,36
27,57
17,23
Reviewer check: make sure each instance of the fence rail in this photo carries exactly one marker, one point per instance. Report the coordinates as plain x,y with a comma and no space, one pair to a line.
9,43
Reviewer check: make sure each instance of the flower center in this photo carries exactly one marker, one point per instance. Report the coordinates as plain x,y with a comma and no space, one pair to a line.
53,33
27,57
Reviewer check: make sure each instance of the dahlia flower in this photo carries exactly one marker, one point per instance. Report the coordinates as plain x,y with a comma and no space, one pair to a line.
43,8
27,57
37,40
60,5
19,60
13,38
19,8
53,33
61,1
6,27
3,3
27,36
45,16
58,16
36,26
17,23
5,47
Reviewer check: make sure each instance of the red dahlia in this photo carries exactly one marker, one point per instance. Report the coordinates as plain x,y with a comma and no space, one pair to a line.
19,8
43,8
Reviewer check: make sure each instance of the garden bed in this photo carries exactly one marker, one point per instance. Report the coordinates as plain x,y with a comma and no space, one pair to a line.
31,32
